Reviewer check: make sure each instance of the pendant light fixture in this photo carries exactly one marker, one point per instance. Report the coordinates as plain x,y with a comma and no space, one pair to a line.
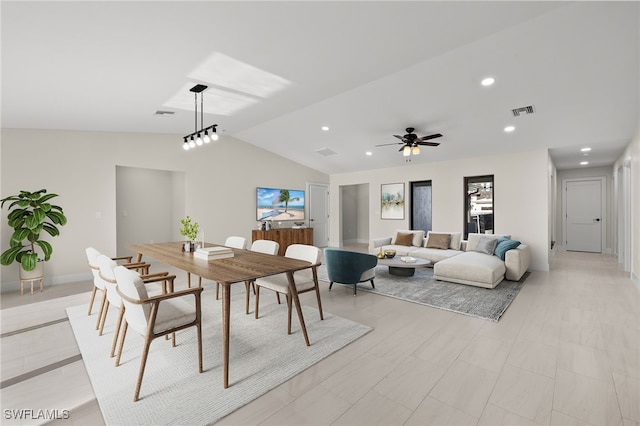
202,136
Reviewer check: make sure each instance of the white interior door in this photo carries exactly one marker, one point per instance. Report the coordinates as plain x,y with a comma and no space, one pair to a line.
583,215
319,213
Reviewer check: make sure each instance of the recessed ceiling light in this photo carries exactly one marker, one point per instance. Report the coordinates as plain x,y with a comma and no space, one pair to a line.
488,81
585,149
584,163
369,153
325,128
509,129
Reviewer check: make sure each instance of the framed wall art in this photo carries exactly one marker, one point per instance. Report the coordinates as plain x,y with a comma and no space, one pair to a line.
392,201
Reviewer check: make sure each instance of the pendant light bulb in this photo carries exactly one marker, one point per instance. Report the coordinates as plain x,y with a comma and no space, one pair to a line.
192,143
415,150
206,138
214,134
406,151
185,145
199,140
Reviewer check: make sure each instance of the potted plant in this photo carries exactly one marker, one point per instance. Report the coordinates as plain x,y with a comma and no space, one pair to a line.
190,231
30,213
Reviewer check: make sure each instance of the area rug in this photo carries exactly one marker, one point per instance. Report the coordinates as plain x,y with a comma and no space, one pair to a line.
262,356
422,288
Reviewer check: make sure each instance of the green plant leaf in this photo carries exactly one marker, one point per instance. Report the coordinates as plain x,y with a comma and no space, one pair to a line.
52,230
19,235
31,222
47,197
57,217
40,215
29,261
46,249
9,255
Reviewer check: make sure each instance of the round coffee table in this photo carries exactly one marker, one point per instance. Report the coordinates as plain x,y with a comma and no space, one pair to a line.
401,268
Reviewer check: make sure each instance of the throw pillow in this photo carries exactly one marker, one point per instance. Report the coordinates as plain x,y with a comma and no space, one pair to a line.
486,245
403,239
503,246
438,241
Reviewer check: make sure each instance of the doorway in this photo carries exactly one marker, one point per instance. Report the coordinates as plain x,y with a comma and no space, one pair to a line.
583,214
354,216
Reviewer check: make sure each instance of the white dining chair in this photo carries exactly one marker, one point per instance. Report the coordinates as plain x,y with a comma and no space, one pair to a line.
156,316
305,279
266,247
106,275
232,242
98,284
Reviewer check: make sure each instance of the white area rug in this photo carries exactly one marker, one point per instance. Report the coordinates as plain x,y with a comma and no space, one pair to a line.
262,356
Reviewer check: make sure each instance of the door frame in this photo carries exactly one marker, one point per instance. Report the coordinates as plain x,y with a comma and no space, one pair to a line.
603,211
327,201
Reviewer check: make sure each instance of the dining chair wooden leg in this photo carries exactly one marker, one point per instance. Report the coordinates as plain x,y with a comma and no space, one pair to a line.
319,303
217,291
122,337
143,363
293,293
278,297
104,317
199,327
104,301
93,296
188,279
117,332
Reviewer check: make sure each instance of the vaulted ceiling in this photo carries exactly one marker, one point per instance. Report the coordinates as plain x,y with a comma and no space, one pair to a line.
279,71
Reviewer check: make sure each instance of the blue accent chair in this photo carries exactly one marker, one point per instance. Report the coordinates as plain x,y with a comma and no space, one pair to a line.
350,267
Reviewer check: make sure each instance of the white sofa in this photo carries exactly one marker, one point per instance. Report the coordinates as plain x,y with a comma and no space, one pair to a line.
460,262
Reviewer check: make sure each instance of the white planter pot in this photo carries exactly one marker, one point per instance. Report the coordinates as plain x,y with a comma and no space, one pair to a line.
36,273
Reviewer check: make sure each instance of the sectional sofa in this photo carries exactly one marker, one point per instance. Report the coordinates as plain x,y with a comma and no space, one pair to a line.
483,260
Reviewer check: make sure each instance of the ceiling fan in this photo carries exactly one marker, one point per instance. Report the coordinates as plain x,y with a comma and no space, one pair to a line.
411,142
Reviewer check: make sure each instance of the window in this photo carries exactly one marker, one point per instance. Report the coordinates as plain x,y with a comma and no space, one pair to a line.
478,205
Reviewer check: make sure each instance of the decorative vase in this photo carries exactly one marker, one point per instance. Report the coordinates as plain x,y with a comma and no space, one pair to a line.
189,246
380,254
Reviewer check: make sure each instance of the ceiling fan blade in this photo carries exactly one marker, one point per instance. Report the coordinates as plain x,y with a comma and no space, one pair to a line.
426,138
387,144
428,143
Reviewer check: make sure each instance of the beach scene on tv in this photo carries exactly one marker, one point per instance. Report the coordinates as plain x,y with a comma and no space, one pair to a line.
280,204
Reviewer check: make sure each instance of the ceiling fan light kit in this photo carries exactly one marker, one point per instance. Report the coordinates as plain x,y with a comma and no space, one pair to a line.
199,137
411,142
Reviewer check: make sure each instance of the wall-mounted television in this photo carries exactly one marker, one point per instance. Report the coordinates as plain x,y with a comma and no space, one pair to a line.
276,204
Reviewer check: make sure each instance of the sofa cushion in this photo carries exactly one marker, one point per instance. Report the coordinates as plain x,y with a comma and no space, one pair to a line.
473,238
403,239
471,268
456,239
434,255
418,236
504,245
486,245
438,241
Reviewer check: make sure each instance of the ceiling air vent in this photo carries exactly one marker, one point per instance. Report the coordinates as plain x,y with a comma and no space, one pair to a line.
160,112
526,110
326,152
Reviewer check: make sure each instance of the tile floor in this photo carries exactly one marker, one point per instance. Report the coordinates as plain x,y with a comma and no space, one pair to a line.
566,352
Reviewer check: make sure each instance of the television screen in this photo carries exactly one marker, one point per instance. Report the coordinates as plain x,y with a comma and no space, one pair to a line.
279,204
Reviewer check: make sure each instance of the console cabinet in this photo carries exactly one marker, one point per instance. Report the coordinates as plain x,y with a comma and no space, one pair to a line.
285,237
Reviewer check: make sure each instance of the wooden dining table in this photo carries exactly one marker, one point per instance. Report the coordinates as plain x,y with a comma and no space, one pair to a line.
245,265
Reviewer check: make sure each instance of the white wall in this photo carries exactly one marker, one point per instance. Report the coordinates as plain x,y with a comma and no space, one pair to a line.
520,197
632,155
220,179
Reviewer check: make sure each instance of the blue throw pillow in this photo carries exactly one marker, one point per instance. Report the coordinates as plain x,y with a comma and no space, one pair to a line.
504,245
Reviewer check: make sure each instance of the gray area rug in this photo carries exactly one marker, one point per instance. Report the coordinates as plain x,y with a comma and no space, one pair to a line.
262,356
422,288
